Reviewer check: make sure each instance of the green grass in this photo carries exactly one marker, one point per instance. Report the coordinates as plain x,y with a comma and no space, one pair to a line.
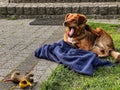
107,78
12,17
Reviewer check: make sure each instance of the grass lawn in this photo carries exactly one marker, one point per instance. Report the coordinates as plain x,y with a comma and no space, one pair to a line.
107,78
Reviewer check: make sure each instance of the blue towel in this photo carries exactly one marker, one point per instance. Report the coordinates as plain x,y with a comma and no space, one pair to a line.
79,60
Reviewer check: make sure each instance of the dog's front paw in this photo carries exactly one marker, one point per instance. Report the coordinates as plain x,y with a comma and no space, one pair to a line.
117,59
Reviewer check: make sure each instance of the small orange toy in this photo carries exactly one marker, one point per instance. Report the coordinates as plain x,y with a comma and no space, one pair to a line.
23,80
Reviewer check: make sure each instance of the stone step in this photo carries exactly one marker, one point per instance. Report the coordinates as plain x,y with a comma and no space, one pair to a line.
60,1
57,10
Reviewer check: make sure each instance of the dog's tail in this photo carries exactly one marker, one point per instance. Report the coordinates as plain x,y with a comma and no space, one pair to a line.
88,28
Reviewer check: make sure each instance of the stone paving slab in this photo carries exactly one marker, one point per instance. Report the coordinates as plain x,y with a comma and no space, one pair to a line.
18,41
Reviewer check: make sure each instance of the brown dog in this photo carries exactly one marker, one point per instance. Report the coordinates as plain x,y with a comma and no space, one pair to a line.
80,35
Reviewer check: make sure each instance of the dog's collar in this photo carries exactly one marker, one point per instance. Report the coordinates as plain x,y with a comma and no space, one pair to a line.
83,36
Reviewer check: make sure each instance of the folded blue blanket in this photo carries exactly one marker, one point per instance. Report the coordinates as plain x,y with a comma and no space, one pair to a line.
81,61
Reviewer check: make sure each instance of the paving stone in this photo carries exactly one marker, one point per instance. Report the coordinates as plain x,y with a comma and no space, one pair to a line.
41,67
19,9
103,9
44,77
27,9
58,10
34,9
75,8
6,85
25,55
4,72
84,9
113,10
12,64
53,65
37,73
67,9
11,9
48,71
93,10
50,10
4,58
37,78
45,62
41,9
3,9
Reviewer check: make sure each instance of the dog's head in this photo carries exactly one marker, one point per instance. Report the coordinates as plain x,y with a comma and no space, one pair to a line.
74,22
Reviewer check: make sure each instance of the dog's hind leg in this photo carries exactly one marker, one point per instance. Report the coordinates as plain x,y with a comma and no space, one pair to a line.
116,55
100,51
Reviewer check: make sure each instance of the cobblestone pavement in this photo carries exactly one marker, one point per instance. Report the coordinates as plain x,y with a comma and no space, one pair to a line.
18,40
3,1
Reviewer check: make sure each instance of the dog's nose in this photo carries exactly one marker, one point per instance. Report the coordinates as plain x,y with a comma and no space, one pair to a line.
65,23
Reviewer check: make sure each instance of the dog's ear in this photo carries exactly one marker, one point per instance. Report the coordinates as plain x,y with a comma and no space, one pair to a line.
67,16
82,19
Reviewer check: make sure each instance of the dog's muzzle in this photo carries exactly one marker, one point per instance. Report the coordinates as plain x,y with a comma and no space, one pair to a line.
65,23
